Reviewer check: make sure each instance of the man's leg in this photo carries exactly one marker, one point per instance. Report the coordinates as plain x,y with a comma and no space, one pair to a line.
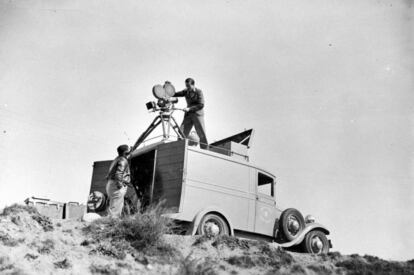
186,125
201,130
116,199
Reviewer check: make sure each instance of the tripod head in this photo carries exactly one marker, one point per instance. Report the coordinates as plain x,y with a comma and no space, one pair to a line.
165,107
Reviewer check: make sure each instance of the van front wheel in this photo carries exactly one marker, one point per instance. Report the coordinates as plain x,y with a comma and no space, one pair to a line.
213,225
316,242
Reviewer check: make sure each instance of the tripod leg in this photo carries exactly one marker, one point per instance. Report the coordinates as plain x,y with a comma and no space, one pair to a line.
177,128
146,133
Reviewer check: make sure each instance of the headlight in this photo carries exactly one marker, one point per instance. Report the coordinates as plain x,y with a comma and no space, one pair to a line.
309,219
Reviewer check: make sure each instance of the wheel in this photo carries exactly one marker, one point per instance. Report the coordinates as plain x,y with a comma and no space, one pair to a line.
291,223
96,201
316,242
213,225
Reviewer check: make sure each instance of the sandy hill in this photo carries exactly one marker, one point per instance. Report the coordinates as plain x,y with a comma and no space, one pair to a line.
33,244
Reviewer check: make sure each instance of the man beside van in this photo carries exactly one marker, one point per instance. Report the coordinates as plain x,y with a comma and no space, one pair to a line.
194,113
118,179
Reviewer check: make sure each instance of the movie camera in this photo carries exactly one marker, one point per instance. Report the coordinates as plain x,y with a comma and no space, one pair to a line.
164,94
165,106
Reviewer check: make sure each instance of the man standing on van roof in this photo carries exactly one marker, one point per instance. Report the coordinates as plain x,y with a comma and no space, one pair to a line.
194,113
118,178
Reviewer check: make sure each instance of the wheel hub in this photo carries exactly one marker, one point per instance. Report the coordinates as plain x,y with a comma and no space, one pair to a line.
317,244
293,225
211,229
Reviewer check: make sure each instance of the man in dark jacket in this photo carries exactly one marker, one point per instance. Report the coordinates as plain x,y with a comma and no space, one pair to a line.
194,113
118,178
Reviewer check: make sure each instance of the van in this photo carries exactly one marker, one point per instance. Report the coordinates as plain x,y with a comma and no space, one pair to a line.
215,191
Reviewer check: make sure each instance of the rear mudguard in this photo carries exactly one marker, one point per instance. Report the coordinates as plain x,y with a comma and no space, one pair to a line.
212,209
309,227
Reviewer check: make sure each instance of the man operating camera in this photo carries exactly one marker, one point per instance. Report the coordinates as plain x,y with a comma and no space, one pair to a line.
194,113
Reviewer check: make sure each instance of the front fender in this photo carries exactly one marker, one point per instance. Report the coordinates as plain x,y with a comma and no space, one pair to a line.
200,215
309,227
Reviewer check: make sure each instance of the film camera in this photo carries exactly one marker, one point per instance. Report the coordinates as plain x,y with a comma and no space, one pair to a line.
164,94
165,106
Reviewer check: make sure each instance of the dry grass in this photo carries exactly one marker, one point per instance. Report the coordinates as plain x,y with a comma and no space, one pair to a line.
6,267
367,264
8,240
64,264
17,208
44,247
43,221
196,266
274,258
103,269
14,211
142,231
232,242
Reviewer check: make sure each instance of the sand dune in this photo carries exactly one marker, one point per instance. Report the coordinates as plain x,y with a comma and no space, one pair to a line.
33,244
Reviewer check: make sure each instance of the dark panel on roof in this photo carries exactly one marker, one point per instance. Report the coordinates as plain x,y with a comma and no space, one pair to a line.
244,138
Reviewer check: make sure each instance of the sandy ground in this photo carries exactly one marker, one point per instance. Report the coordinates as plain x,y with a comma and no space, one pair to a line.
32,244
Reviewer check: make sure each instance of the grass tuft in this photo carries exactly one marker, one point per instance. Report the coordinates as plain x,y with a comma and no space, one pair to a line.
64,264
45,246
195,266
17,208
231,242
8,240
374,265
103,269
267,256
142,231
43,221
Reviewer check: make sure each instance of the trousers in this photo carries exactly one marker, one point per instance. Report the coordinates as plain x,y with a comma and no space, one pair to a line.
116,198
193,119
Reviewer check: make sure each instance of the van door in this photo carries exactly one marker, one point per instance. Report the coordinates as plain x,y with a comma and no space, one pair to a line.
266,212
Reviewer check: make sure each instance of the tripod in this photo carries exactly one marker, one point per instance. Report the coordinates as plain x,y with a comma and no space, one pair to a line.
167,121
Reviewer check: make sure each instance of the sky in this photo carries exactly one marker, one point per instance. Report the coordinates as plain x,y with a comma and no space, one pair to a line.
327,85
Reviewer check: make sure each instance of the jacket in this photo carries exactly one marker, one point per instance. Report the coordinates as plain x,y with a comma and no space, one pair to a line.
195,100
119,170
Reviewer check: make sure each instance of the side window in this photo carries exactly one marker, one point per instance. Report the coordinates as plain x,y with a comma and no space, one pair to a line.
265,185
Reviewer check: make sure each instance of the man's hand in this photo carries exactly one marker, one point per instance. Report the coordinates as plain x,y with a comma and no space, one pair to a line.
119,185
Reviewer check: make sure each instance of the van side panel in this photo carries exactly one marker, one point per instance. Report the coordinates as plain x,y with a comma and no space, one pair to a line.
216,182
169,173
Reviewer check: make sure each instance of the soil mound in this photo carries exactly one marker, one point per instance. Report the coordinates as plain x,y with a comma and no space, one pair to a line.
143,244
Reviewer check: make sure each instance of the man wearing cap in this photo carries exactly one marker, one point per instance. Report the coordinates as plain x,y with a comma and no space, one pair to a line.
194,113
118,178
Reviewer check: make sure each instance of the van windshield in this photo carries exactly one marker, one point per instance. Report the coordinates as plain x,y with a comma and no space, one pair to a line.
265,185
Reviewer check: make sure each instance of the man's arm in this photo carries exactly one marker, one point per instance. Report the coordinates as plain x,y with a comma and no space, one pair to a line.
180,94
200,103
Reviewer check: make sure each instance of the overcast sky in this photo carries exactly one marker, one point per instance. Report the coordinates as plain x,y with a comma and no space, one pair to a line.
327,85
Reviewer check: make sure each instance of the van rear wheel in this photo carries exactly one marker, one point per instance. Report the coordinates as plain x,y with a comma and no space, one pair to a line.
213,225
291,223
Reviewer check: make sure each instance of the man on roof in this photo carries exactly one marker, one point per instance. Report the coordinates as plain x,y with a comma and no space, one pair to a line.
194,113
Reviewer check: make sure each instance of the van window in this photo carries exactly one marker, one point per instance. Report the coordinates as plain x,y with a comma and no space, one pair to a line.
265,185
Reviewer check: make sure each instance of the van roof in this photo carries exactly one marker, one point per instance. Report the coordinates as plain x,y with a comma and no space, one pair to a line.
203,151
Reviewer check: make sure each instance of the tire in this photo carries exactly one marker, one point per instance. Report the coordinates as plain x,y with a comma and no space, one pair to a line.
316,242
96,202
210,223
291,223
